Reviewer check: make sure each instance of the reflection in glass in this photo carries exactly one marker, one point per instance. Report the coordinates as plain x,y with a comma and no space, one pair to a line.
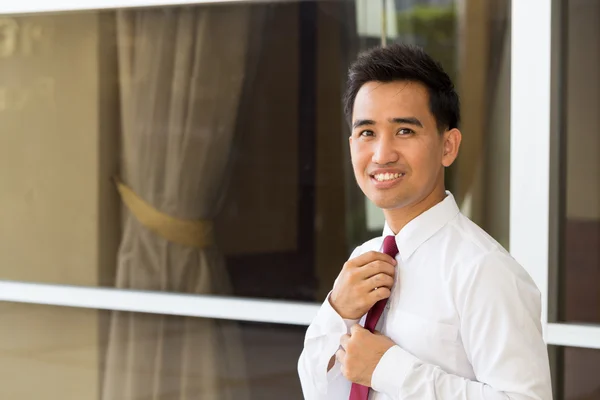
222,128
580,261
471,39
59,353
181,74
204,120
576,373
224,125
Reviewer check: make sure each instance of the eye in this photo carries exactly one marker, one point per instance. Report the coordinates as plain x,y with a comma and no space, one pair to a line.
366,133
405,131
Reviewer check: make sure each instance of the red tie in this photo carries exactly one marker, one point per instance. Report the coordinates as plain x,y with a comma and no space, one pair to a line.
360,392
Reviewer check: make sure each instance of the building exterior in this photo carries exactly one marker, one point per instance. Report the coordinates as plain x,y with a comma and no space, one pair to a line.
176,198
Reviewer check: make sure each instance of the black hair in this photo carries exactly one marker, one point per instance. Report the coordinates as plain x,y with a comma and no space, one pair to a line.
402,62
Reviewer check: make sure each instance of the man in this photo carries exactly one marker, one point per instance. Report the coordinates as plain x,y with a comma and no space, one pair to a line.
461,318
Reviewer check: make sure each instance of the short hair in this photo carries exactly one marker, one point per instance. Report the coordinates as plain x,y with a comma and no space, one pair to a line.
403,62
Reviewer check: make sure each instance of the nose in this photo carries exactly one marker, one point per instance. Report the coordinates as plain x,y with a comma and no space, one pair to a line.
385,152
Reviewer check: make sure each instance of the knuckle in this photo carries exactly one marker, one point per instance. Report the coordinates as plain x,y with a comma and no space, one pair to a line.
348,361
351,346
345,372
373,254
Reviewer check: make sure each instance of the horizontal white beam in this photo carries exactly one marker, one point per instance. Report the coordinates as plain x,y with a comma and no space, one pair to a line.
574,335
204,306
38,6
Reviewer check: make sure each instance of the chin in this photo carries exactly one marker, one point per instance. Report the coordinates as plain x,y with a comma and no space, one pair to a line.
387,203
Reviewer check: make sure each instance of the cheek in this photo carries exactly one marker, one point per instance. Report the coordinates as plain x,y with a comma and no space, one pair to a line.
424,158
359,157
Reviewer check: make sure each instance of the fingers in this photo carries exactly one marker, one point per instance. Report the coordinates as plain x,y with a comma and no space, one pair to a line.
354,329
369,257
379,294
340,355
376,267
345,338
380,280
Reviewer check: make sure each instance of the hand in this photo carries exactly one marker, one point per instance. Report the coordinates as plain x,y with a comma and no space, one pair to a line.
363,281
360,353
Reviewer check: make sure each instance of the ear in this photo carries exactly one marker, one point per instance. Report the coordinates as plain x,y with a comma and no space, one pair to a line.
452,139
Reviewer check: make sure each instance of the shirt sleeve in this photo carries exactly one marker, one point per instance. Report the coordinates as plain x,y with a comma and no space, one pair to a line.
500,310
321,342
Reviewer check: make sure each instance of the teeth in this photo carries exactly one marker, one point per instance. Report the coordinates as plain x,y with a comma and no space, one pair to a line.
387,177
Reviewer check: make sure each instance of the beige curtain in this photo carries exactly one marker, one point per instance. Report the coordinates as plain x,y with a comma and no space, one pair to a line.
181,72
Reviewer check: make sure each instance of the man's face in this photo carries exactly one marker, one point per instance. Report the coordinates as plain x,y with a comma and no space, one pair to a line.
398,154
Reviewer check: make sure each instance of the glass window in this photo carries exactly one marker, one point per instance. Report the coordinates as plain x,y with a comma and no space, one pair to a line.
83,354
202,149
576,375
579,277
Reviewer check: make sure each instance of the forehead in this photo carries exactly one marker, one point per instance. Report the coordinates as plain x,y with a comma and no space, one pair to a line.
376,100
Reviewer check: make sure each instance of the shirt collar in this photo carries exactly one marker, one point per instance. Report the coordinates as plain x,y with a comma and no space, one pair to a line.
424,226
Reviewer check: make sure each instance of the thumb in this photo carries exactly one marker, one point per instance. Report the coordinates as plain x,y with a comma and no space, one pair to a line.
356,328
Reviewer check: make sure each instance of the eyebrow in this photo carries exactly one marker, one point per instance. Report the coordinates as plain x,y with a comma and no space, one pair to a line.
407,120
362,122
401,120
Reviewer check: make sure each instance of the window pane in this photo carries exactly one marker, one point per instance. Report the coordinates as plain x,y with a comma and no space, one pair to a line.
580,267
225,121
82,354
207,113
576,373
473,45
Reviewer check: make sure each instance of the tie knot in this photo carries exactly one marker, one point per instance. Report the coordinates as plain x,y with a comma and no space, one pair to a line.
389,246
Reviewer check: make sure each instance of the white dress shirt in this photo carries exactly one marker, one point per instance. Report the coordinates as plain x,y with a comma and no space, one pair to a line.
464,315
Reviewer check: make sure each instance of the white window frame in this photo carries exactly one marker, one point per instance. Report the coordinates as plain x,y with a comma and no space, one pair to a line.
42,6
534,24
205,306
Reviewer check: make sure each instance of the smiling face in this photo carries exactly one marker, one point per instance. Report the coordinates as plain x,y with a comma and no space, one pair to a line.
398,153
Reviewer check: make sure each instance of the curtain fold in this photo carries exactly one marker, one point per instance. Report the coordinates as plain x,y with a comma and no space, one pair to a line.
181,74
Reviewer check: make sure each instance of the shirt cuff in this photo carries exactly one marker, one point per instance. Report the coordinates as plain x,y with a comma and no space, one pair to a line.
327,322
391,371
323,340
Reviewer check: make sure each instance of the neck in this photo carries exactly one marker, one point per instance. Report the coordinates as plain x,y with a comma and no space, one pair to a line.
398,218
